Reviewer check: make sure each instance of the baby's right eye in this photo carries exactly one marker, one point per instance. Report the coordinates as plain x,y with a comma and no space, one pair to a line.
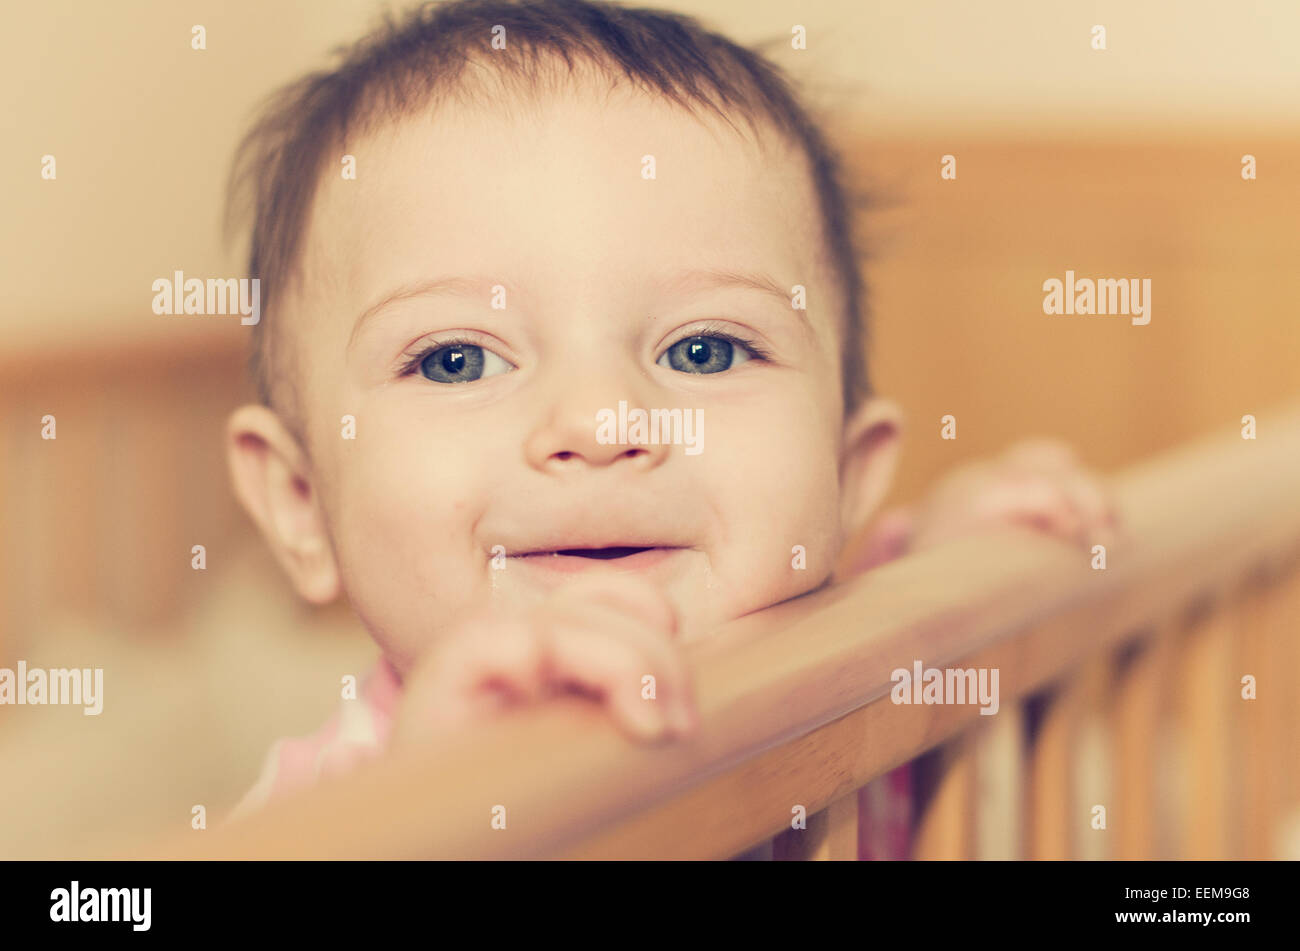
459,363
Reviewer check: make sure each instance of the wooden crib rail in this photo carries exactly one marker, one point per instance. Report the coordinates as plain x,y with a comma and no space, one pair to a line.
794,701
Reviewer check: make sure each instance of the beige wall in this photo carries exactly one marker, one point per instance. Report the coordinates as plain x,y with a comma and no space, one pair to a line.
142,127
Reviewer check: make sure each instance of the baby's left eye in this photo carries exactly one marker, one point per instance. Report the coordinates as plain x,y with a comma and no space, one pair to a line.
460,363
704,354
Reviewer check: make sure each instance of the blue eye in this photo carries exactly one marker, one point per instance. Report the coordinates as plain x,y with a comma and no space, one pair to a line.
460,363
704,354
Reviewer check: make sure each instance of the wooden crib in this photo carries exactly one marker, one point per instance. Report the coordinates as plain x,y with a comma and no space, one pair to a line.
1150,709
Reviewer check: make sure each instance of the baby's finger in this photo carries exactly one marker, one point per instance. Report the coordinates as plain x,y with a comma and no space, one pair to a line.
1096,506
1113,528
1034,500
610,668
508,655
663,656
500,662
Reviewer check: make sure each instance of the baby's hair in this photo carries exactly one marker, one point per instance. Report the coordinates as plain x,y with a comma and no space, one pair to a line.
413,62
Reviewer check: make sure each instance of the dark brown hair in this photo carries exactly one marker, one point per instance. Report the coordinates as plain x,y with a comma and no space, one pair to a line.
416,60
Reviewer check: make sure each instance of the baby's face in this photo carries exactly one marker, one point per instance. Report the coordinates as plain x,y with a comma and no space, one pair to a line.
478,452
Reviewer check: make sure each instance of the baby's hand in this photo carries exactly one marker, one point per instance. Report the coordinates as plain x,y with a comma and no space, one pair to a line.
1039,483
597,636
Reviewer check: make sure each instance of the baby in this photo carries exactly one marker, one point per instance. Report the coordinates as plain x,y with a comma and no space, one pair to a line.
494,229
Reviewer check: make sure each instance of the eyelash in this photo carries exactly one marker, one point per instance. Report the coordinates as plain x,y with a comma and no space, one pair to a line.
412,365
710,329
756,350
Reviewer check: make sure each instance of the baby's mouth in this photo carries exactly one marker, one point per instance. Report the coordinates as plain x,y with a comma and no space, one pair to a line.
613,557
603,554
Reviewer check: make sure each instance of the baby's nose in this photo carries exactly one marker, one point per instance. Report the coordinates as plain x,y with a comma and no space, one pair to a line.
577,437
585,414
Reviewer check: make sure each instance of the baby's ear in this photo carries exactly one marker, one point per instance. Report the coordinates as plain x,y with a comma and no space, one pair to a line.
867,462
273,482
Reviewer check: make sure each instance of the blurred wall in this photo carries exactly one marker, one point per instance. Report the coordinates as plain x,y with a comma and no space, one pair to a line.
142,126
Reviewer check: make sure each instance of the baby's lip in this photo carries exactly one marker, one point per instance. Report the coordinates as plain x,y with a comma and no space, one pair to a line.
564,561
608,533
610,551
600,551
595,534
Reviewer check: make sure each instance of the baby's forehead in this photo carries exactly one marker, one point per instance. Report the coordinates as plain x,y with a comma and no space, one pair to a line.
604,172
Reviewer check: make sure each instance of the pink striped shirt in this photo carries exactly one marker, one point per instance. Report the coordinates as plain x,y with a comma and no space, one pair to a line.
358,731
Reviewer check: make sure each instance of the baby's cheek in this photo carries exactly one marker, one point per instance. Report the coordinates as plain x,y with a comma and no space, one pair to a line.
404,554
793,535
804,504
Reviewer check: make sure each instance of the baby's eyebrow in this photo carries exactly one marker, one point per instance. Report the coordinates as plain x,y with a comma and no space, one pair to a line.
682,283
695,280
478,287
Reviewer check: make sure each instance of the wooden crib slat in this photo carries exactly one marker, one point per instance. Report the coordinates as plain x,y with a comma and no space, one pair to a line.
1206,697
1092,773
1053,816
945,827
1282,690
1256,730
831,835
1142,679
1000,779
842,838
